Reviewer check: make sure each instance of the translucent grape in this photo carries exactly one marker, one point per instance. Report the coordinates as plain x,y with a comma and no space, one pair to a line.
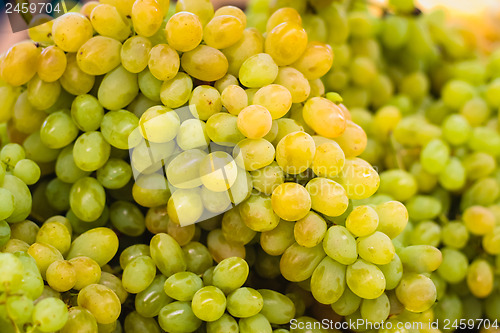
205,63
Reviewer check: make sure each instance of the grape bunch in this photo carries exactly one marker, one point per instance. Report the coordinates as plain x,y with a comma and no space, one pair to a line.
428,101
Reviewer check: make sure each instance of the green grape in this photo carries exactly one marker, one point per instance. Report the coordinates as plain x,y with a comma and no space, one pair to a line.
61,276
205,63
192,134
233,227
25,231
117,127
26,118
114,283
244,302
127,218
347,304
484,139
79,319
478,165
87,199
251,43
87,113
115,174
118,89
393,272
99,244
365,279
277,308
136,323
215,202
185,206
182,286
490,242
15,245
5,233
66,168
491,93
258,70
132,252
426,232
328,281
91,151
298,263
416,292
22,199
176,92
456,93
277,240
148,157
226,323
138,274
234,99
74,80
58,130
43,94
310,230
178,317
423,207
167,254
204,102
340,245
99,55
101,301
197,256
151,300
258,214
453,268
492,306
50,314
376,248
222,129
455,235
209,303
399,184
151,190
107,21
134,54
376,310
149,85
421,258
10,154
55,234
230,274
476,111
184,170
268,178
6,203
13,271
147,17
435,156
257,323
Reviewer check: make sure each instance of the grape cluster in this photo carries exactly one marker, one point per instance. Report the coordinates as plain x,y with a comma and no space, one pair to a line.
428,101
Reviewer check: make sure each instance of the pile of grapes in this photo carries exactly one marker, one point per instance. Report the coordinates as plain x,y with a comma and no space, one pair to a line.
175,168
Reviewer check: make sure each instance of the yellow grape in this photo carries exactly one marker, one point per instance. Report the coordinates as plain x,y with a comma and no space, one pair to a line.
185,207
8,96
324,117
253,154
291,201
61,275
286,43
295,152
51,64
87,271
353,141
184,31
362,221
175,93
479,220
282,15
327,196
276,98
107,21
234,11
74,80
201,8
285,127
123,6
265,180
18,64
250,43
316,60
225,81
295,82
27,119
204,102
159,124
163,62
254,121
310,230
205,63
99,55
218,171
71,30
88,7
40,29
43,94
258,214
101,301
223,31
147,17
359,178
221,249
329,158
134,54
234,99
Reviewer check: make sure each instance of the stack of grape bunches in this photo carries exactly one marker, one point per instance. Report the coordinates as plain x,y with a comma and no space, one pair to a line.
164,167
429,102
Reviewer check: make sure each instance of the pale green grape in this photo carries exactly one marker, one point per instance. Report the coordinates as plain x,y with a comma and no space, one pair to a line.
298,263
258,71
310,230
43,94
328,281
258,214
115,174
147,17
70,31
277,240
114,283
426,232
118,89
416,292
58,130
205,63
393,218
87,113
99,55
56,234
226,323
176,92
13,271
66,168
340,245
453,268
347,304
421,258
91,151
376,310
117,128
393,272
101,301
135,323
151,300
134,53
74,80
138,274
132,252
61,275
178,317
230,274
182,286
167,254
79,319
50,314
87,199
99,244
365,279
399,184
127,218
209,303
455,235
22,199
